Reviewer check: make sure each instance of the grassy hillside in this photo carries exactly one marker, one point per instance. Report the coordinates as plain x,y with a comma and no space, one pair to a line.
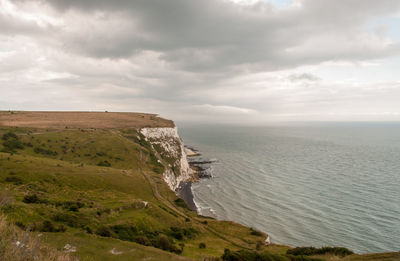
97,194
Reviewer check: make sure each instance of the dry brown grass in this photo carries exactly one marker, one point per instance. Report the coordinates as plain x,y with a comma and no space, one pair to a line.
17,245
101,120
5,198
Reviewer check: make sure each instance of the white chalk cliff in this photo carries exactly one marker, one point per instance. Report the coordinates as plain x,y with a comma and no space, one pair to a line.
167,143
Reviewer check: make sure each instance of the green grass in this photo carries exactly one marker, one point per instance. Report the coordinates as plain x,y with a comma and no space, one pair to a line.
81,184
61,185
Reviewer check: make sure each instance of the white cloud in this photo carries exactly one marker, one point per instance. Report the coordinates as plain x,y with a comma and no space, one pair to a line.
224,109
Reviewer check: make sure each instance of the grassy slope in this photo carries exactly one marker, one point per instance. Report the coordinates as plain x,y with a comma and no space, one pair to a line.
65,169
111,195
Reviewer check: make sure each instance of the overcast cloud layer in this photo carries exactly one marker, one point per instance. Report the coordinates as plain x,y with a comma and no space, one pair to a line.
209,60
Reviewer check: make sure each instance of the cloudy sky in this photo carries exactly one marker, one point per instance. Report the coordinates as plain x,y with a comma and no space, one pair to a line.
209,60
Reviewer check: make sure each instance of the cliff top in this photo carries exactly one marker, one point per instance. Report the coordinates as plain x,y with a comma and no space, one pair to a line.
102,120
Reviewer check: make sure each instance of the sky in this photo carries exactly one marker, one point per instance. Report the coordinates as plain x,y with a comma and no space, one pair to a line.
230,61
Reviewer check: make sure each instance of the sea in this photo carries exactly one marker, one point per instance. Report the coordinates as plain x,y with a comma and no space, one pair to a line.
305,184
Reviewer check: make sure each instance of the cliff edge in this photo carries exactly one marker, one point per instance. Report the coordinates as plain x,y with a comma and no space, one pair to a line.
170,148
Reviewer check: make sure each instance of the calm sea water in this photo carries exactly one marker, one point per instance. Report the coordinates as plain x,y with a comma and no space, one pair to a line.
305,184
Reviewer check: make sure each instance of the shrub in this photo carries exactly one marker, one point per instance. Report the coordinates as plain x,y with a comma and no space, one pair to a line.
13,179
42,151
12,145
163,242
20,225
143,240
104,163
31,199
202,245
70,219
125,232
61,228
104,231
303,258
11,142
181,233
255,232
310,251
73,206
47,226
9,135
181,203
177,233
247,255
175,249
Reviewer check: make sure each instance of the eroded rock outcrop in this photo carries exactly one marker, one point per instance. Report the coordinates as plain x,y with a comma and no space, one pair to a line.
167,143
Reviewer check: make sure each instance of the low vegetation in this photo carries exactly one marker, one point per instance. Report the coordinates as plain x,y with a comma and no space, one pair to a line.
11,142
312,251
102,192
18,245
95,183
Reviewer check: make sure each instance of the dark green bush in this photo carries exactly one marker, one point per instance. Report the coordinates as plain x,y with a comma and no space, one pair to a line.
181,233
47,152
71,219
73,206
247,255
47,226
20,225
181,203
303,258
310,251
12,145
31,199
143,240
9,135
255,232
104,163
13,179
163,242
11,142
202,245
104,231
89,230
125,232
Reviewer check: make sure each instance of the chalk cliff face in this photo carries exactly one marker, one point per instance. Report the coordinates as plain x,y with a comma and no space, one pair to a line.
169,146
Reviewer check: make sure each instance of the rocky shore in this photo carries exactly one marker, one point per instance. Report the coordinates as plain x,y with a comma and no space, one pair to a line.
185,192
202,168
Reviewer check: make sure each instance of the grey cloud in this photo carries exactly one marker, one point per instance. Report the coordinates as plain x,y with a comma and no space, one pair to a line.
303,77
216,35
152,54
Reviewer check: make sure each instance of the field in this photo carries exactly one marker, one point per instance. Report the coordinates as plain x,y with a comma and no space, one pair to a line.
85,183
101,120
